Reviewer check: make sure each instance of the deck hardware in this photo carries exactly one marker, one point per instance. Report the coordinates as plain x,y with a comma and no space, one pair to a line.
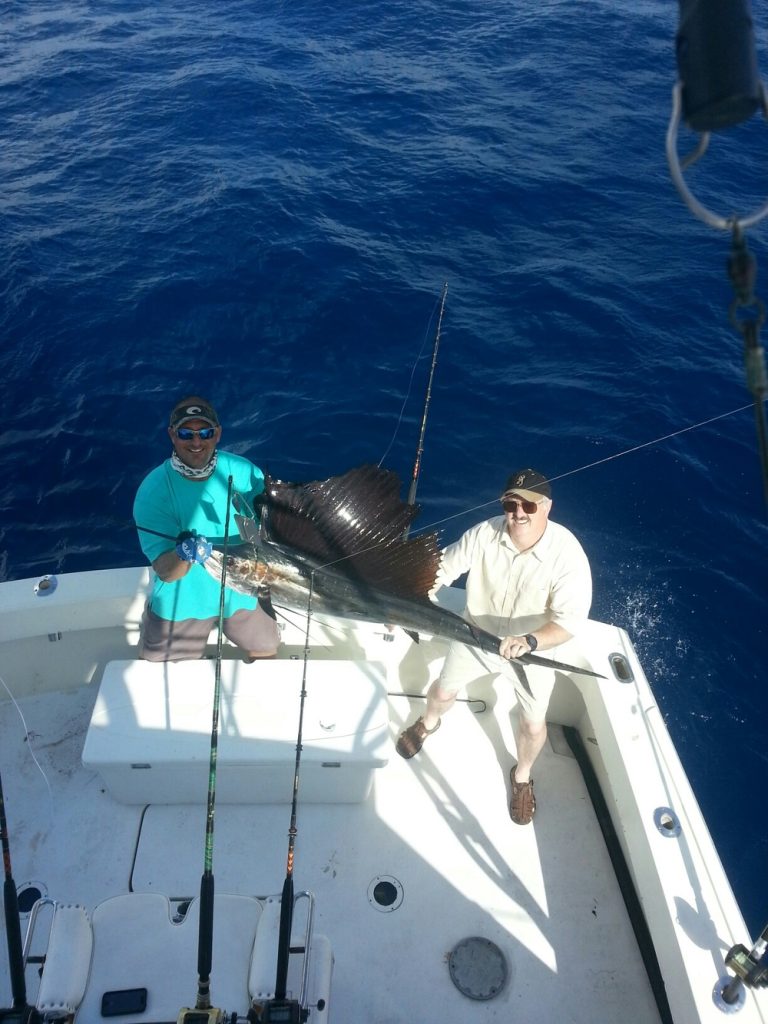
478,968
750,967
482,705
385,893
28,893
667,822
54,637
718,995
46,586
621,668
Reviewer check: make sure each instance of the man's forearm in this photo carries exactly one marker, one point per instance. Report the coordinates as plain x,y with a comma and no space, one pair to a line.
169,567
550,635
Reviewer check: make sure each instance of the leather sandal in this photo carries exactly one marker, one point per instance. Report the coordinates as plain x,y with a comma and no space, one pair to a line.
522,806
411,740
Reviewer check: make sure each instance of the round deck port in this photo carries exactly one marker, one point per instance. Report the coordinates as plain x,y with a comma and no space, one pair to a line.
385,893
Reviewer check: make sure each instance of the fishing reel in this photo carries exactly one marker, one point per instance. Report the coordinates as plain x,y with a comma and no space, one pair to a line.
749,967
208,1016
20,1015
278,1011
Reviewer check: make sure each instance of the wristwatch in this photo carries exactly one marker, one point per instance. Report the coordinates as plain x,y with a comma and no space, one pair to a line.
531,640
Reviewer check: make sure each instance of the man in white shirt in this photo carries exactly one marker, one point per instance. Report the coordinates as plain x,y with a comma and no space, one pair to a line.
529,583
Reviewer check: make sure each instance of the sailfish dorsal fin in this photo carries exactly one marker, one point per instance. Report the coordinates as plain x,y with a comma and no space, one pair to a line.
355,523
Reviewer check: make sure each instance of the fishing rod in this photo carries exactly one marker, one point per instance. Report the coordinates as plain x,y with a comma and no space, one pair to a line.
203,1012
21,1012
427,400
281,1008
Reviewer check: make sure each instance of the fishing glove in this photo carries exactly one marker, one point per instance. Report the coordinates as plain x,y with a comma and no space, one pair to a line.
193,547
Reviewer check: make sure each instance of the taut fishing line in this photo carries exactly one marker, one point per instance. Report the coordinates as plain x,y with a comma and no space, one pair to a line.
410,382
598,462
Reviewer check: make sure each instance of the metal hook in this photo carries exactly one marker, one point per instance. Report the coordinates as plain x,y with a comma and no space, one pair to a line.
676,170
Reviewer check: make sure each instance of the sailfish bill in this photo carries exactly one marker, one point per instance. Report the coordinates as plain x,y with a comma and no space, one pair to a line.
345,536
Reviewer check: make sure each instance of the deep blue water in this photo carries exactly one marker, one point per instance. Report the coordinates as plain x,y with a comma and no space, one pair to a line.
261,201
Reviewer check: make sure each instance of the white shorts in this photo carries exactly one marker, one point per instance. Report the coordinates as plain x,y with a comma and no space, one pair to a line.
533,684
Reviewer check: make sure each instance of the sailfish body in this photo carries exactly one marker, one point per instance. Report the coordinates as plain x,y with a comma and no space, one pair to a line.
345,537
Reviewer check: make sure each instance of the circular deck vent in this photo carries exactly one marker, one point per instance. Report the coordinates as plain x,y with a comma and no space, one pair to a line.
385,893
478,968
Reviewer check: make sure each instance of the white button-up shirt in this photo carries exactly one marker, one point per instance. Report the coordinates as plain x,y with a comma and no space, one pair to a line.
511,592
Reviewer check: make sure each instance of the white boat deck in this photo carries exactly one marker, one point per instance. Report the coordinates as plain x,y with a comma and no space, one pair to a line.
438,826
433,832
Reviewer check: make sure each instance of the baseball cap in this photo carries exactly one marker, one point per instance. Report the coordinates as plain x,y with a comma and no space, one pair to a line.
529,484
193,409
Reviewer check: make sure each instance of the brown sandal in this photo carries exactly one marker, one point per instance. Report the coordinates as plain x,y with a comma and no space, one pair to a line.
412,739
522,806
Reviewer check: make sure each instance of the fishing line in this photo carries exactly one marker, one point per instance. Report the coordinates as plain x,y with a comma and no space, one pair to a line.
561,476
591,465
28,738
410,382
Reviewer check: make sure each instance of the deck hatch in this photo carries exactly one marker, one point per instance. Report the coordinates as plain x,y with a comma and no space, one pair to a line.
478,968
28,894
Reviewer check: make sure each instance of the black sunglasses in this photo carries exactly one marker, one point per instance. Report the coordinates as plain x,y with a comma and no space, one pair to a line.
510,504
186,433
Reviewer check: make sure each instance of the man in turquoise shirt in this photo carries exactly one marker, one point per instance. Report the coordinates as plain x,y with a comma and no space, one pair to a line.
186,498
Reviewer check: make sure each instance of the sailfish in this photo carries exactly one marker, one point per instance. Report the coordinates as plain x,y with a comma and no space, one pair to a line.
346,538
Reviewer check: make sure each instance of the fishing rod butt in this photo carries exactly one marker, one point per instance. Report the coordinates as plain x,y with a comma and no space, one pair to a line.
15,953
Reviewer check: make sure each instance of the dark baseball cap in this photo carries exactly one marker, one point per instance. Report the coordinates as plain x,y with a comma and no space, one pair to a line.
529,484
193,409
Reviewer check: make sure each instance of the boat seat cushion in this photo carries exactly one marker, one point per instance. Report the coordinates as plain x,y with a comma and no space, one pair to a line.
70,946
136,945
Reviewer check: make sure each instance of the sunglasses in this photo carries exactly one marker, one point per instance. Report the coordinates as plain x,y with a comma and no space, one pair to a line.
186,433
510,505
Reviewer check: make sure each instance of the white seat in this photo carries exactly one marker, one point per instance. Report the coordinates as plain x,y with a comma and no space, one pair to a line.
131,942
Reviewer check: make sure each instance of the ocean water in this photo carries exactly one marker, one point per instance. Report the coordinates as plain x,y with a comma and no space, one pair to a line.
262,202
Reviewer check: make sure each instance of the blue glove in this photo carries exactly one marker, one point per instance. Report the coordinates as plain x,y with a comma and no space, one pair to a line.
193,547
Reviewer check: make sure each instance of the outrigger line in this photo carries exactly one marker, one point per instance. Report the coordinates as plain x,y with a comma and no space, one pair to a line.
21,1012
204,1013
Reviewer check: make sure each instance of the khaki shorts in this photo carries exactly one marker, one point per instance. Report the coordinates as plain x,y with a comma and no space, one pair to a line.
533,685
185,640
